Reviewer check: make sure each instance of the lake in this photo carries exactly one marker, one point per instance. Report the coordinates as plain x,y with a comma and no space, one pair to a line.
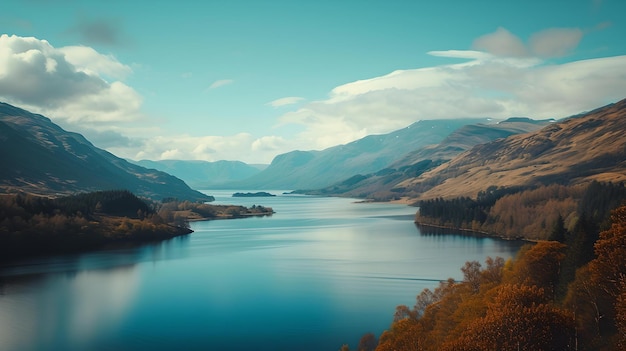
319,273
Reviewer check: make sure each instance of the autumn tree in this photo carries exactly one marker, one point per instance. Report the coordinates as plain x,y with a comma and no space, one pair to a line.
426,298
403,312
519,318
492,274
559,232
579,251
607,273
539,265
609,267
472,275
367,343
406,335
596,294
513,305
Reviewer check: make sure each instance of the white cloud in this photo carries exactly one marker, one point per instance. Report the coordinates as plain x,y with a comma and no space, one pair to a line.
88,60
171,154
268,143
574,87
220,83
285,101
486,85
466,54
329,124
242,146
79,86
400,80
505,78
65,83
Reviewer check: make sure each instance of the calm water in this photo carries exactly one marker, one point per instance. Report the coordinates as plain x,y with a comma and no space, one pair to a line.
319,273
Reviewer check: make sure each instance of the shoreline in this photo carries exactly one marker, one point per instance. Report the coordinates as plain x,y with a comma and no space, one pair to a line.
239,216
472,232
43,244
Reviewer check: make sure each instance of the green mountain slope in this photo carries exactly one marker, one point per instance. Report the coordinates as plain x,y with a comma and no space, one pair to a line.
39,157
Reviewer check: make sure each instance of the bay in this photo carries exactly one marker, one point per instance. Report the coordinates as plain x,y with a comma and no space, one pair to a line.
319,273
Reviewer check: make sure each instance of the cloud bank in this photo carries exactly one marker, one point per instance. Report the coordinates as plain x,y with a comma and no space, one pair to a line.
66,83
502,77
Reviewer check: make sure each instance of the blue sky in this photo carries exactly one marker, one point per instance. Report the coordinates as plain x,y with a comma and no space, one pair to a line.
247,80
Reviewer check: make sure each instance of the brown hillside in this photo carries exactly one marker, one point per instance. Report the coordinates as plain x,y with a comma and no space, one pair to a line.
579,149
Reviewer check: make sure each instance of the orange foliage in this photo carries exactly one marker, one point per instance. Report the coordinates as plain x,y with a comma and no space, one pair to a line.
519,318
532,213
489,310
539,265
609,268
512,305
405,334
597,294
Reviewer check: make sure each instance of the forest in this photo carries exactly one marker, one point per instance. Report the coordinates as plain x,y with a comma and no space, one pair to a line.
34,225
528,213
547,298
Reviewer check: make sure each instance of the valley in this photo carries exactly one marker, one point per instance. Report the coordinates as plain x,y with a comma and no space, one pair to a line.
323,175
553,182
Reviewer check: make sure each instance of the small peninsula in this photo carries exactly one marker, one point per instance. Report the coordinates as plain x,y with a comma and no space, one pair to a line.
38,225
257,194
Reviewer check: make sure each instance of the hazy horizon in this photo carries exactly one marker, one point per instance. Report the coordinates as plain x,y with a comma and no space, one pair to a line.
247,81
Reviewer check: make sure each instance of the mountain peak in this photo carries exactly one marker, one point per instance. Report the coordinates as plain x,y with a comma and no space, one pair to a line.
40,157
577,149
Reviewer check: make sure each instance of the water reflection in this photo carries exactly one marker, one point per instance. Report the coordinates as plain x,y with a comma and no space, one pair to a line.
317,274
68,301
115,256
64,310
464,235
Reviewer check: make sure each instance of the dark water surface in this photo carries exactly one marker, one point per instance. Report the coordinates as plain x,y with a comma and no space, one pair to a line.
319,273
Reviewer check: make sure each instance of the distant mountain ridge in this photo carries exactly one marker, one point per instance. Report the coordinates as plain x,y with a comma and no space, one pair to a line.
381,185
204,174
39,157
470,135
578,149
317,169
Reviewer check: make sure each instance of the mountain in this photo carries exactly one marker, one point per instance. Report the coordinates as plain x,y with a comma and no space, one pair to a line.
204,174
317,169
470,135
575,150
381,184
40,157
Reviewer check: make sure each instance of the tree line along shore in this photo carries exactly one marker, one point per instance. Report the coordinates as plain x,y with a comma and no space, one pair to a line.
564,291
34,225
